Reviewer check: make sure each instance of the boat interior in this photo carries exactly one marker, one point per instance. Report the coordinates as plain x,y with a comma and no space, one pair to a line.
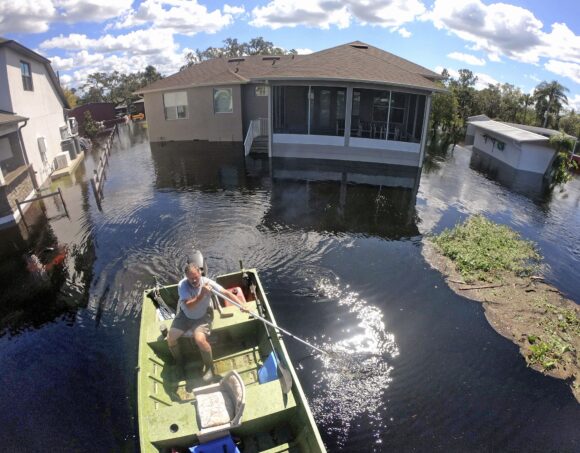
260,417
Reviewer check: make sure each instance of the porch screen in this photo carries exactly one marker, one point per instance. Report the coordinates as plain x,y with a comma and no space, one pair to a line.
290,109
310,110
175,105
327,110
387,115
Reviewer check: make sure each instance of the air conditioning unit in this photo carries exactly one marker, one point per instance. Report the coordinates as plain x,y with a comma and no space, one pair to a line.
73,125
61,160
64,133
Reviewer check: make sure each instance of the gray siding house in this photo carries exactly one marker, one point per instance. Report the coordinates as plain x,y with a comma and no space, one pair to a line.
352,102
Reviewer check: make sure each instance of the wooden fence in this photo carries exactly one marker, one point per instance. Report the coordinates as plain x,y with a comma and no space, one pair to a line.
99,175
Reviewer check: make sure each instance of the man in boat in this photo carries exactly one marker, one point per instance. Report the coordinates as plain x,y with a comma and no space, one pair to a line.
195,314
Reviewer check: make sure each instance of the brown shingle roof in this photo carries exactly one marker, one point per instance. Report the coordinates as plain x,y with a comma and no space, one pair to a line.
355,61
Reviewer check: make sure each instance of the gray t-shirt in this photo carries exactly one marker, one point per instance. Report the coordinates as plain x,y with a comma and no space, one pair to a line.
187,291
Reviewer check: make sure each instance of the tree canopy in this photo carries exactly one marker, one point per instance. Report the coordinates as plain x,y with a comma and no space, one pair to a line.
232,49
115,86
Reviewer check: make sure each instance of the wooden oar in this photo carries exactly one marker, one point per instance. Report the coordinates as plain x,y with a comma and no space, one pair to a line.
257,316
285,376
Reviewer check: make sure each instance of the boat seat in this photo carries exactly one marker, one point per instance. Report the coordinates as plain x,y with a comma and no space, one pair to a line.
238,319
220,406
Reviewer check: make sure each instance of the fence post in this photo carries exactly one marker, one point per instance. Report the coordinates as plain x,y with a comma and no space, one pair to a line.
63,203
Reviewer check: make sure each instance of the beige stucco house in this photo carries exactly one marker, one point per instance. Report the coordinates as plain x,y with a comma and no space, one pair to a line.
32,125
351,102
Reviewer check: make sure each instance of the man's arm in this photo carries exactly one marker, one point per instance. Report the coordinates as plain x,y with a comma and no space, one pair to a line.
195,300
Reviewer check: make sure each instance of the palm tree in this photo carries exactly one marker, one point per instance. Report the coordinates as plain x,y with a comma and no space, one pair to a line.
549,98
527,99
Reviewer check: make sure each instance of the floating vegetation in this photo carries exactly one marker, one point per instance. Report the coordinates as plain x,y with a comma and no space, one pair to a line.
560,326
521,306
483,250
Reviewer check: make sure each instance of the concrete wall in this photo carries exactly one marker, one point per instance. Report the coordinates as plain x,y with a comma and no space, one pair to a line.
20,188
253,107
345,153
44,108
527,156
201,122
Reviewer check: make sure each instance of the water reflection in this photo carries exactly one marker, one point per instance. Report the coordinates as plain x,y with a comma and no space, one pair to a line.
532,185
377,200
352,381
208,166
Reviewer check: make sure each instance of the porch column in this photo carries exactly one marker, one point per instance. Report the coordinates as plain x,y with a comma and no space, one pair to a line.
348,116
270,118
425,129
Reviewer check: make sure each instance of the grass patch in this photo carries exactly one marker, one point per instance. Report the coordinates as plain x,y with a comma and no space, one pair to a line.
560,326
483,250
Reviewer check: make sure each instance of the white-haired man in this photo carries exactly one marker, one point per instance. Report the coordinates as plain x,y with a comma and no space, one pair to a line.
194,303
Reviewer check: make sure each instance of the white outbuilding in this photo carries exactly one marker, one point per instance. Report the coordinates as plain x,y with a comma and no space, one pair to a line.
520,149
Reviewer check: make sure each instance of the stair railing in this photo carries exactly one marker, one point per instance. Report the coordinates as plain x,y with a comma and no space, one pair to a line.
256,128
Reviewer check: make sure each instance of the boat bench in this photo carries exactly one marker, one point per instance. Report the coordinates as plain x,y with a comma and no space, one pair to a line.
237,326
239,318
266,405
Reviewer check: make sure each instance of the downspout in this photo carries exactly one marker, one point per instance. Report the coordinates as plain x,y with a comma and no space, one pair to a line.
31,171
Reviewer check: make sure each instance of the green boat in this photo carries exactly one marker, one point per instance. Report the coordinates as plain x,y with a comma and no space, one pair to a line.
252,415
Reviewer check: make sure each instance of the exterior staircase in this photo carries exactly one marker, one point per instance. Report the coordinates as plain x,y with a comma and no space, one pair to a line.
260,145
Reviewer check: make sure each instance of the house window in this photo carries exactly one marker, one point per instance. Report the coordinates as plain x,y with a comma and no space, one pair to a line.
261,90
222,100
26,76
175,105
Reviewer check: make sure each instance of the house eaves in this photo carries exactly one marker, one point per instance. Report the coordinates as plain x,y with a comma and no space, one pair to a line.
350,82
19,48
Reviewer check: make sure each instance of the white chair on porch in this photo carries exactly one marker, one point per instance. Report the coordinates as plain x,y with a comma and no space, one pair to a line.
220,406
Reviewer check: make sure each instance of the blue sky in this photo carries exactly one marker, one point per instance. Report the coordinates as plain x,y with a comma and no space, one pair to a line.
518,42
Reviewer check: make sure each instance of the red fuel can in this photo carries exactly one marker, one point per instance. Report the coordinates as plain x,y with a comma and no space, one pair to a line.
238,292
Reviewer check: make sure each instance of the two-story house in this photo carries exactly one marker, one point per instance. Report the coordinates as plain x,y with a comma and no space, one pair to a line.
33,125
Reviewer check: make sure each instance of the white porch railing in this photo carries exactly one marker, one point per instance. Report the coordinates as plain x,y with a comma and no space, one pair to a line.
257,128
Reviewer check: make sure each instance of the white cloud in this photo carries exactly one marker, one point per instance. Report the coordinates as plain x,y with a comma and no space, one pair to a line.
36,16
504,29
570,70
135,42
404,32
26,16
483,80
304,51
467,58
61,64
91,10
186,17
574,102
65,80
233,10
390,14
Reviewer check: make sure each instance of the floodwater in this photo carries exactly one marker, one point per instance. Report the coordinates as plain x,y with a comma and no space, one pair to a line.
338,248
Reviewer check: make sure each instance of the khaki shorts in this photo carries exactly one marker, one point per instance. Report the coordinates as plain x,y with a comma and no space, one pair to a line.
183,323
